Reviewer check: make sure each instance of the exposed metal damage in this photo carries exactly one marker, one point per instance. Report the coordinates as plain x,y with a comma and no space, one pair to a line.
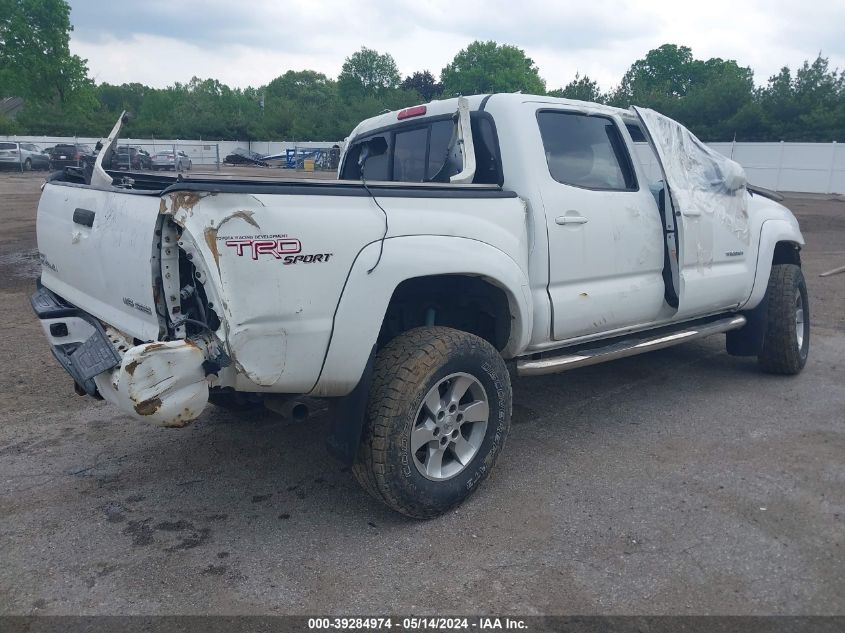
163,382
167,383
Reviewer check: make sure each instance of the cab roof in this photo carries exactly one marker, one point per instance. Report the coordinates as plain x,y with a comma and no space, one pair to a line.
506,99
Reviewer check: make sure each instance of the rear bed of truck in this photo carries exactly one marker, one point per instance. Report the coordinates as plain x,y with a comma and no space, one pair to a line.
153,294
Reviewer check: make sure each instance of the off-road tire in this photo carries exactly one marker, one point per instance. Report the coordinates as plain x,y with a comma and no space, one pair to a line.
781,353
405,370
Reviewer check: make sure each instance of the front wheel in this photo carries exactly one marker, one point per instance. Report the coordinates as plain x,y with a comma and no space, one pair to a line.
786,343
438,415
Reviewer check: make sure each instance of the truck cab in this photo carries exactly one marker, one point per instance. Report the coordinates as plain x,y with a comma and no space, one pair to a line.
610,250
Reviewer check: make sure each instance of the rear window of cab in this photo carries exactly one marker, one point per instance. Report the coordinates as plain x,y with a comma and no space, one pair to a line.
422,151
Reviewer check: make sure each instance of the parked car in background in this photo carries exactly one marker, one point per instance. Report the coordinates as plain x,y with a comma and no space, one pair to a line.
25,156
128,157
69,155
168,159
144,159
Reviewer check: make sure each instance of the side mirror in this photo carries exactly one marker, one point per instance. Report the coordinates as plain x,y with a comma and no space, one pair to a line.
734,175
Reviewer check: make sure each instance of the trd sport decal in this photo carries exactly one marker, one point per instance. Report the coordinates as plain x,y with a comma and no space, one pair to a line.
288,249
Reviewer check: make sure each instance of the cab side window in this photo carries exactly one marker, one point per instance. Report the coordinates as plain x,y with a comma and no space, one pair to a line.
377,167
438,150
586,151
409,153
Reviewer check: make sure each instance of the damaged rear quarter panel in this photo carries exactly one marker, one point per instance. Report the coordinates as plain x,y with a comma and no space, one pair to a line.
274,267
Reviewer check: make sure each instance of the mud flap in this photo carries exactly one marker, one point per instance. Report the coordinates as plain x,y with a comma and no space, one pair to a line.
348,415
748,340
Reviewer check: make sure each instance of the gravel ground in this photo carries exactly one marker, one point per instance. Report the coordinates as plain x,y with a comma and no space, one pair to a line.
679,482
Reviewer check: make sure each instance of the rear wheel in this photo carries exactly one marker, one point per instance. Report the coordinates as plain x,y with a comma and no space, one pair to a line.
27,165
438,415
786,343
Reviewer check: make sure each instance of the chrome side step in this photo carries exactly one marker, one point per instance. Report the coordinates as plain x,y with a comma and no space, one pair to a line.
630,346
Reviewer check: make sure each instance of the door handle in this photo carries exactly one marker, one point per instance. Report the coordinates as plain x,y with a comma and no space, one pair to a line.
571,219
84,217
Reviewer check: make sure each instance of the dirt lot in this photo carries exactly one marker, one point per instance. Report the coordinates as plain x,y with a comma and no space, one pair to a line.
678,482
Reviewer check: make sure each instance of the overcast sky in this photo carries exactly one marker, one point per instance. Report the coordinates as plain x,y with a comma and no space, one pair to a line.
159,42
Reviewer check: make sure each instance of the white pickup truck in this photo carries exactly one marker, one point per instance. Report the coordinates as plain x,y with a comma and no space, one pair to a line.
463,241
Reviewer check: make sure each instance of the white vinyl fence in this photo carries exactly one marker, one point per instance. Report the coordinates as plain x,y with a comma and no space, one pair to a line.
801,167
806,167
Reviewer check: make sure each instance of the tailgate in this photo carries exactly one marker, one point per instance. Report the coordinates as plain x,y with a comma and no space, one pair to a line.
98,252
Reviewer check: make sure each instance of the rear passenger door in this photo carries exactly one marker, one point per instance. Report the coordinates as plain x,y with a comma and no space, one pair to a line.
604,228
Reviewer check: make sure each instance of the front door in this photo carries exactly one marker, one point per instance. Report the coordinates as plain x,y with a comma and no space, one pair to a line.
708,194
605,234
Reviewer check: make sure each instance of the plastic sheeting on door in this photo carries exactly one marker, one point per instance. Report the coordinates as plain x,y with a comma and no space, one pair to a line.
701,180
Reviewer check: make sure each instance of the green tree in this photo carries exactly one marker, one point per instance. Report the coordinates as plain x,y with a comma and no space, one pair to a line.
35,59
36,64
300,103
485,67
717,91
663,75
581,89
809,106
713,97
424,83
368,72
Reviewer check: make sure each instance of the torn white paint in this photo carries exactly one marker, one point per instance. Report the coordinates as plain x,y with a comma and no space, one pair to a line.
701,180
163,383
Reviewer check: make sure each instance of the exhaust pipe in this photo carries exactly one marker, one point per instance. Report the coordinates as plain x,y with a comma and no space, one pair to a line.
289,408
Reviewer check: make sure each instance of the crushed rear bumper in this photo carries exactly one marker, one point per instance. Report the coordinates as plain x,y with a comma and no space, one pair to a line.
162,382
